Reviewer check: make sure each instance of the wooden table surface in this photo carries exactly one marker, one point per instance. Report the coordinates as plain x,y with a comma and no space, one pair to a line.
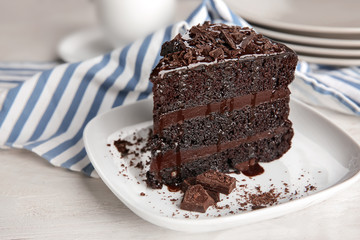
39,201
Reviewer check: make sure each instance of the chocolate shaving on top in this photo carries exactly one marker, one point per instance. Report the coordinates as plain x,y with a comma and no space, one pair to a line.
210,42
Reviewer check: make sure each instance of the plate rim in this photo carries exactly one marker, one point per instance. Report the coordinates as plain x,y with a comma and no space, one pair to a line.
314,41
334,61
280,210
340,31
324,51
269,22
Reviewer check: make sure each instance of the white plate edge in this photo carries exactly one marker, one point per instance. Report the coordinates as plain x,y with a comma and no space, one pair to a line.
301,39
344,62
269,22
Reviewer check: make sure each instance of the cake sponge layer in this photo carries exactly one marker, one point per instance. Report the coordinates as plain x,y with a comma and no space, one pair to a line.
265,149
207,83
223,127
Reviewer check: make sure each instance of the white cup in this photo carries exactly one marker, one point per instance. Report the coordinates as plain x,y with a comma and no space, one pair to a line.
124,21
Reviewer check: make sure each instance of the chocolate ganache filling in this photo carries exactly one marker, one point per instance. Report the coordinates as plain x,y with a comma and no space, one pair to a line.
229,105
173,158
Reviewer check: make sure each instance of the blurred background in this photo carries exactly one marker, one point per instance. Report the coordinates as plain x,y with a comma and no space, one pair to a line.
31,30
325,32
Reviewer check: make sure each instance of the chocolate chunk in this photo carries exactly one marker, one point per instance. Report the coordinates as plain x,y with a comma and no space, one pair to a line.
196,199
192,181
214,195
187,183
217,181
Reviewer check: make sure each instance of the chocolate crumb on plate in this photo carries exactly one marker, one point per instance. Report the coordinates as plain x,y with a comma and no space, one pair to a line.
140,165
257,207
121,146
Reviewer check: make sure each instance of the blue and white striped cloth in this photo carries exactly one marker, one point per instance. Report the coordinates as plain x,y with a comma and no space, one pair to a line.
328,86
45,109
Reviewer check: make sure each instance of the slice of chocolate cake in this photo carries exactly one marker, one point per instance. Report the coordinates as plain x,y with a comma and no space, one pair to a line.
221,101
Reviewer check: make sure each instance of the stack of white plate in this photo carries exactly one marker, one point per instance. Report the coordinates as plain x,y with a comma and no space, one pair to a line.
320,31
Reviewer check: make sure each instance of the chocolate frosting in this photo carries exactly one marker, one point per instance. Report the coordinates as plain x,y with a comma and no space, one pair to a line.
210,42
230,105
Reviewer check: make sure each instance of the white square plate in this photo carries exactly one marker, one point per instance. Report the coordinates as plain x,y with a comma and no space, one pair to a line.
322,161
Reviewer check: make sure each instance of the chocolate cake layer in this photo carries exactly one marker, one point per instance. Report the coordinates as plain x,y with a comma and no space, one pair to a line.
227,105
209,83
175,157
262,150
223,127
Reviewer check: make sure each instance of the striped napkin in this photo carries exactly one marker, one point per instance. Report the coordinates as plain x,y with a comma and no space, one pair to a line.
45,109
328,86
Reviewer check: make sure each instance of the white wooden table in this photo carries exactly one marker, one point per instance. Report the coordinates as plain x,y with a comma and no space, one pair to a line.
39,201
